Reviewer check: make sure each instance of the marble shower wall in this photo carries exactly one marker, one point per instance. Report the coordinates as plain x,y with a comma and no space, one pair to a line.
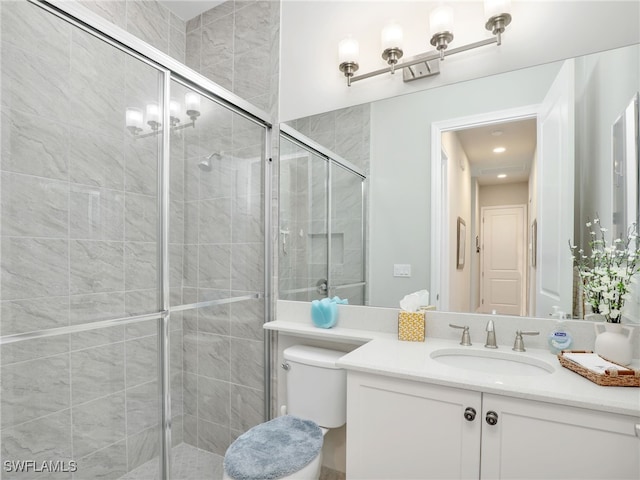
146,19
78,221
303,218
223,257
234,44
346,132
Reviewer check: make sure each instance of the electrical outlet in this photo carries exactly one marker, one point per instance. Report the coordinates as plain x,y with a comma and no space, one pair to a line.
401,270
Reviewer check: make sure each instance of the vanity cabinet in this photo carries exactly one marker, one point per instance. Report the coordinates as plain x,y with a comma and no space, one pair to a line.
402,429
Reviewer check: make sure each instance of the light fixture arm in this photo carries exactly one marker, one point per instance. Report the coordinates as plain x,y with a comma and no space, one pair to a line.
423,58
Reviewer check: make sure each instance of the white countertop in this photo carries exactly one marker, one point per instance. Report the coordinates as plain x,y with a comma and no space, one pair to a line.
383,354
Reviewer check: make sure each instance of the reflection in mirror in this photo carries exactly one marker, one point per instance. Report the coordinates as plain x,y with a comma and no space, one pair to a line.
405,203
625,170
321,198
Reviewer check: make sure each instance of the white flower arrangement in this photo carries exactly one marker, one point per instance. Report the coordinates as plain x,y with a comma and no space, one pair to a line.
608,270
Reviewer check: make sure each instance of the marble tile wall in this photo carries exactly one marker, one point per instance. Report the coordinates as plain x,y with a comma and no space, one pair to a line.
78,222
345,132
147,20
223,257
236,45
78,210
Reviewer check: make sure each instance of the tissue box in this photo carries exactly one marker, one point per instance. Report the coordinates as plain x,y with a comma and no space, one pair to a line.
411,326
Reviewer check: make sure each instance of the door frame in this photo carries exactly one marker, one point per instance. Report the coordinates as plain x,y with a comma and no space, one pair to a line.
440,235
524,286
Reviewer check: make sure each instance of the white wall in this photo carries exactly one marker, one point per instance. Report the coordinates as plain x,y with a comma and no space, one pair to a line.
507,194
459,188
474,256
400,179
532,215
541,32
600,99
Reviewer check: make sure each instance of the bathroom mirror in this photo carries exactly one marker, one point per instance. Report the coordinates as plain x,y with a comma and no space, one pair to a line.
624,135
402,201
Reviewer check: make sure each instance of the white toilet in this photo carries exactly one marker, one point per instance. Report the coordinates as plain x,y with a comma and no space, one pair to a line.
316,401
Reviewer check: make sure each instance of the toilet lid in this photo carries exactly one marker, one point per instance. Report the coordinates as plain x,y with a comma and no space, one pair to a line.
274,449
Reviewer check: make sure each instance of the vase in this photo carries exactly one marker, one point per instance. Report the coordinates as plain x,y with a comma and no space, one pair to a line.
613,342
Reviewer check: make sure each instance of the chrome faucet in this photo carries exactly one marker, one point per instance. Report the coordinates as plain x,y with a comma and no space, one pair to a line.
491,335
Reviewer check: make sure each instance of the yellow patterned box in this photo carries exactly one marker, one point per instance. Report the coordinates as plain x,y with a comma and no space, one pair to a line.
411,326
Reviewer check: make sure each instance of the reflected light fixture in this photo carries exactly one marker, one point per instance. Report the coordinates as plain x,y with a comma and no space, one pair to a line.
134,117
499,150
502,175
497,13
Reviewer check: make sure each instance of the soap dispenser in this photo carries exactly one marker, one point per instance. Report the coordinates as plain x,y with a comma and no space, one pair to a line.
559,339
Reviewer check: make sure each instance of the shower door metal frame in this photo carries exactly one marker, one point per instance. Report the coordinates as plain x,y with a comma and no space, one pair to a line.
171,70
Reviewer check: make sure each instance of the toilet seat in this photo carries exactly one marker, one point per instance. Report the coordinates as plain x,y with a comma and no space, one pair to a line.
285,447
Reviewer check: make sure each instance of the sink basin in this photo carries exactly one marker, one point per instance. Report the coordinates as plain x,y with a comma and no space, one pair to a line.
493,362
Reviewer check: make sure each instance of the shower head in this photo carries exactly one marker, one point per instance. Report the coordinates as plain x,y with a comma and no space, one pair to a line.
206,165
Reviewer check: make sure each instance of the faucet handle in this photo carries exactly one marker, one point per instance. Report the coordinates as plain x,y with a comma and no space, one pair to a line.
466,339
518,344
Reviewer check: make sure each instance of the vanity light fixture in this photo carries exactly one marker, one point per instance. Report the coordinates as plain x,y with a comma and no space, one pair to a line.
502,175
499,150
425,64
134,117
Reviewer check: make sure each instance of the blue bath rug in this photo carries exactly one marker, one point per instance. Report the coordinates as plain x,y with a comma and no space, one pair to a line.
274,449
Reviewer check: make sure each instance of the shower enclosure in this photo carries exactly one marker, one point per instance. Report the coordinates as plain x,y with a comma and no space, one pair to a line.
133,279
321,232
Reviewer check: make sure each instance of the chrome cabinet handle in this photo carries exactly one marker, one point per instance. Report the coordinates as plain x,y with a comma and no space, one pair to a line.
470,414
492,417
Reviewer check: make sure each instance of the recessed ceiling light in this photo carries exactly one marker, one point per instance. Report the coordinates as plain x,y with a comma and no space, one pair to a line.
496,133
499,150
502,175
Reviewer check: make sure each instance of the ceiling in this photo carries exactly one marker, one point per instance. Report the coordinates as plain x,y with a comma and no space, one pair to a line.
187,9
519,140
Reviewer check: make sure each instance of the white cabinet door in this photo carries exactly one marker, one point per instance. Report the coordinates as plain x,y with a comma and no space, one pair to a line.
399,429
537,440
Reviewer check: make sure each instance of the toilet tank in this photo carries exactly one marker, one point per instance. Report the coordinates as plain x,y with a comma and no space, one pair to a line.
316,387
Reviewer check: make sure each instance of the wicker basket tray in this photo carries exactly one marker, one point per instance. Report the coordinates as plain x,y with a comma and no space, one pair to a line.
628,378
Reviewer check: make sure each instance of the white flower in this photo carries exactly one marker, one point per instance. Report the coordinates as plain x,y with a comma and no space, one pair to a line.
588,224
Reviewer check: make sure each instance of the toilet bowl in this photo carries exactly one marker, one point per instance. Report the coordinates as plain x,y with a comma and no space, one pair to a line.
290,446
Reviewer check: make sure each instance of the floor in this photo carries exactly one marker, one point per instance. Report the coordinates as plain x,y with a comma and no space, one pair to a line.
187,463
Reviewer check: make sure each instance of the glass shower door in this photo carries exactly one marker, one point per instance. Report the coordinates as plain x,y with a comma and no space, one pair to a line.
217,265
303,231
347,235
79,252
